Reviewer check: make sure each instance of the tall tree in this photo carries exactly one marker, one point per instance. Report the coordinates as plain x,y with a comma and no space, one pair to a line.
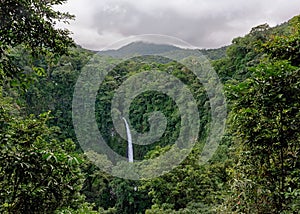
265,121
38,172
30,23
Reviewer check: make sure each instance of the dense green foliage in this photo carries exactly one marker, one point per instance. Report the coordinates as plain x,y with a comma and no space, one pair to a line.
265,122
36,168
265,125
145,103
39,171
255,169
30,24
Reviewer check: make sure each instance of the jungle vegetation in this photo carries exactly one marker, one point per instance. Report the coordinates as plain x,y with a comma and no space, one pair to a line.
256,168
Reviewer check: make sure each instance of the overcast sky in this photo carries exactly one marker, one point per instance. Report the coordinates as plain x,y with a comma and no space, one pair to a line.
202,23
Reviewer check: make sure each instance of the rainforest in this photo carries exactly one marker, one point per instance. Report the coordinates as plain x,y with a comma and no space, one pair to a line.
44,168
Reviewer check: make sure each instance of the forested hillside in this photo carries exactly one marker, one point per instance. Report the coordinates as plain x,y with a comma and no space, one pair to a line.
43,169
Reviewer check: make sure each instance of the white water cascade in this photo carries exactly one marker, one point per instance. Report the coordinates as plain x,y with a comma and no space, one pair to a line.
129,139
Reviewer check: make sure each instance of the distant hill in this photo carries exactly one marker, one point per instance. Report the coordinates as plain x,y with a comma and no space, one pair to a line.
144,48
139,48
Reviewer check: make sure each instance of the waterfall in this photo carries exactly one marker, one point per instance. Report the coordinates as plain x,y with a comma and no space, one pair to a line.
129,139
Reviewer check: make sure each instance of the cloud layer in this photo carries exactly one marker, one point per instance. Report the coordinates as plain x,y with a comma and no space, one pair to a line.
202,23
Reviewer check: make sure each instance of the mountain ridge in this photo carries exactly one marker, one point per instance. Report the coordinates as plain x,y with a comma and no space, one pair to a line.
147,48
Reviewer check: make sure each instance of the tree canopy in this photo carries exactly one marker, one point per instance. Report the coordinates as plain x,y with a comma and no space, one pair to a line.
30,24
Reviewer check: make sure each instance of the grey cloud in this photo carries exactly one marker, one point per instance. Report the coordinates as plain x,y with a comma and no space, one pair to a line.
202,23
